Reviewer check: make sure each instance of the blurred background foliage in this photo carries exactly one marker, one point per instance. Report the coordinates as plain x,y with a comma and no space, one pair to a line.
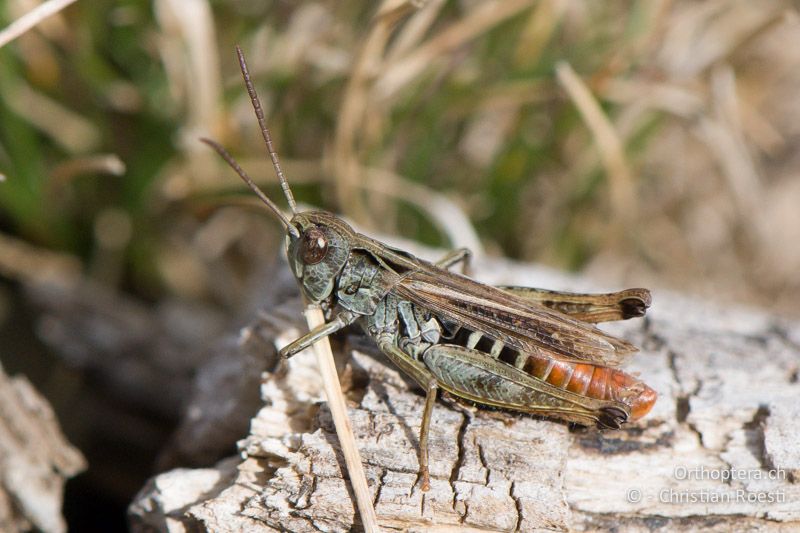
648,143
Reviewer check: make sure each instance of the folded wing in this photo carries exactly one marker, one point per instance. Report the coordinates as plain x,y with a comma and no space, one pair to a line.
518,322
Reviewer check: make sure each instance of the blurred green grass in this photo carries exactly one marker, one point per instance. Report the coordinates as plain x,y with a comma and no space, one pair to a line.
486,122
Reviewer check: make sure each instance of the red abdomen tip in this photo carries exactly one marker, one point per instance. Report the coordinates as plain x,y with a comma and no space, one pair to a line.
643,403
632,392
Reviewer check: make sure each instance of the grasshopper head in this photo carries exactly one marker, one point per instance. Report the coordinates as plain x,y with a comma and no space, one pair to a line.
318,252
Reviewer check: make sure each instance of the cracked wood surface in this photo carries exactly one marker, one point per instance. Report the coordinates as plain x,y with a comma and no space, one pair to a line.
728,402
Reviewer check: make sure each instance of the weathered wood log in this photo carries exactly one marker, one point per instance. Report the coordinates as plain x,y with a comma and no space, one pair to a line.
158,359
719,451
35,460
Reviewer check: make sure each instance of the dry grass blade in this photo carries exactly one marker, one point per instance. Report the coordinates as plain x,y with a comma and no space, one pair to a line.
448,217
74,132
484,17
609,145
738,166
189,51
30,264
31,19
539,28
393,69
414,30
354,106
109,164
344,430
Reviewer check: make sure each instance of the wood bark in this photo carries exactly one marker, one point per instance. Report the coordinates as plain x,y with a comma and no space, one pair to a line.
35,460
718,452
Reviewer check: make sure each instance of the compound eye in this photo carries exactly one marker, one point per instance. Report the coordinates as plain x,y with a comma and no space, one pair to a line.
314,246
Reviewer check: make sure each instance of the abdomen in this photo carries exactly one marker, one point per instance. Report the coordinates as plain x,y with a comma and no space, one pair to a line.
592,381
598,382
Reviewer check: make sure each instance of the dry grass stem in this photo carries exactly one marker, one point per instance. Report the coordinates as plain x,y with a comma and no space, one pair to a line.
703,34
354,105
448,217
23,262
740,170
414,30
344,430
478,21
31,19
109,164
364,100
189,50
73,132
609,145
654,96
539,28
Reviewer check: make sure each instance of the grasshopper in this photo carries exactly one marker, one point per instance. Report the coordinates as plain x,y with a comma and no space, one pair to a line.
514,348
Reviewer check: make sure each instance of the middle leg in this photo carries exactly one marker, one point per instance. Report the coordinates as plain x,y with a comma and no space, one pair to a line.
428,382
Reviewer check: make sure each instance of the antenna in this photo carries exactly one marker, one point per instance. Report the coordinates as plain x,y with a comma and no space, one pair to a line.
247,179
287,192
